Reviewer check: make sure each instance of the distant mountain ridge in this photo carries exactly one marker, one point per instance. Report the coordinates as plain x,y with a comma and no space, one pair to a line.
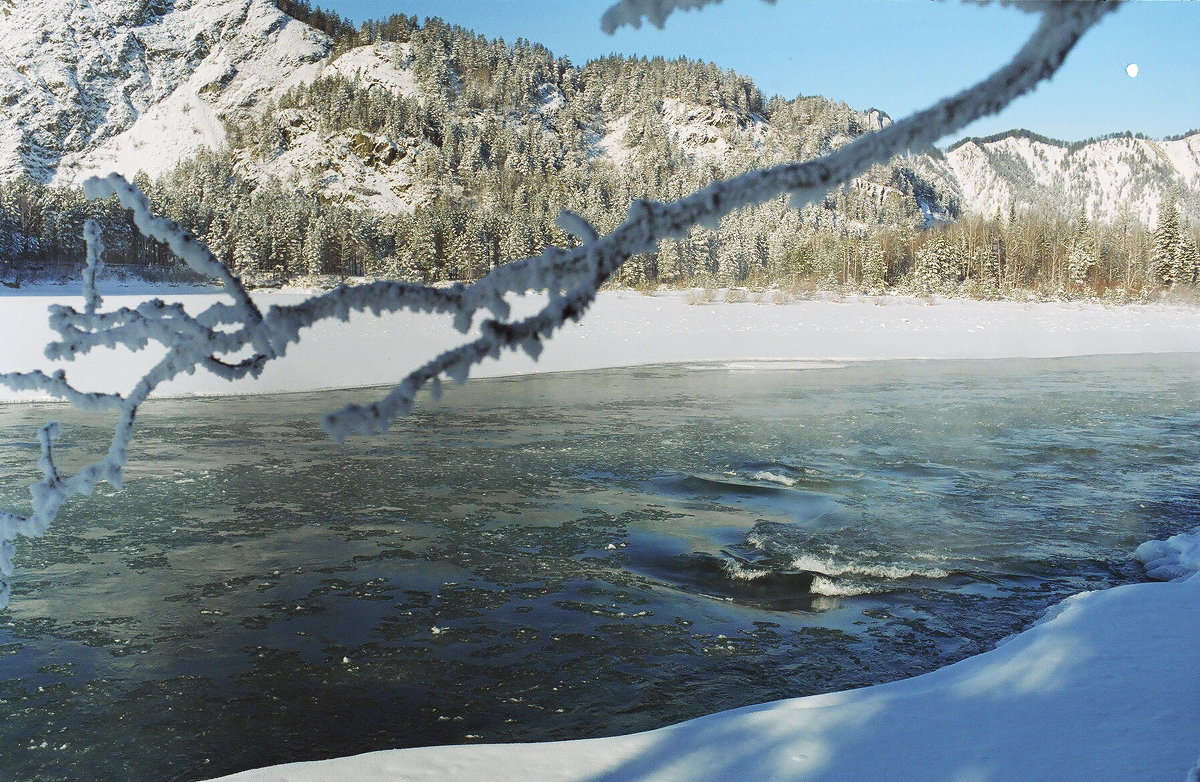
1122,175
133,85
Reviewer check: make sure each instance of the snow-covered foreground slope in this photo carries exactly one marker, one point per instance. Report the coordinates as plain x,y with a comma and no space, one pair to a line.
1105,689
628,328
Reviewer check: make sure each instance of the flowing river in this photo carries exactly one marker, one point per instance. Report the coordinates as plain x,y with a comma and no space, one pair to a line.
566,555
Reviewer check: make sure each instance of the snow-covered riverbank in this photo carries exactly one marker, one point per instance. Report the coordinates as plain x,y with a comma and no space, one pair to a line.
1106,688
627,328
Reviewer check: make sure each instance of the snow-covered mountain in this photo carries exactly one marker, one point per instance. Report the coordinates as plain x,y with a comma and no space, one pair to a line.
99,85
1110,177
92,86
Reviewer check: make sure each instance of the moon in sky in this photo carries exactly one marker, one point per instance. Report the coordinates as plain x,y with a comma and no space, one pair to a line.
1132,69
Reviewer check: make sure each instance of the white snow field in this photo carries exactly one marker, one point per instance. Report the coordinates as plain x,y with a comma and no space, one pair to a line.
1105,687
625,328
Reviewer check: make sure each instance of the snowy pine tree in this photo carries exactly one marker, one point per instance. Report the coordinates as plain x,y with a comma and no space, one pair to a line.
1082,258
1165,255
937,267
873,266
1187,260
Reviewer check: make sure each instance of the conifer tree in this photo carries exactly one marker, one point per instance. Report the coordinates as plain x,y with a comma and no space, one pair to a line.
1165,254
1082,258
873,268
1187,260
936,268
317,246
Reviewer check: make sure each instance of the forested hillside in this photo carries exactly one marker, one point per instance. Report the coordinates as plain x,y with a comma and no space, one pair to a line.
425,151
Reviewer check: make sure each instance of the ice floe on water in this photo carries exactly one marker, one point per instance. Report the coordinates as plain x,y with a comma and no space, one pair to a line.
1173,559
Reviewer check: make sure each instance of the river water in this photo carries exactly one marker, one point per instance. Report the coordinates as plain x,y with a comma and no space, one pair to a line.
565,555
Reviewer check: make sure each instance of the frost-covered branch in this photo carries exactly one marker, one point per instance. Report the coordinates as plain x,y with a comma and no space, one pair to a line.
235,339
631,12
95,252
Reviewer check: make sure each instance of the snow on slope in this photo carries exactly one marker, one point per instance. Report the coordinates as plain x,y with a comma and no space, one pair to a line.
384,65
1110,177
350,167
707,132
98,85
1184,155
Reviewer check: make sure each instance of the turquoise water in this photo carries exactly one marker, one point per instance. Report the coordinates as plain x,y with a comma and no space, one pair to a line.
568,555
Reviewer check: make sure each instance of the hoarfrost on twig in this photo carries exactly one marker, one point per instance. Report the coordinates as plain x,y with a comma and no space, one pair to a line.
572,277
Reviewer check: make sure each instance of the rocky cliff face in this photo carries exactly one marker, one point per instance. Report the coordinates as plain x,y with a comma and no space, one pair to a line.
98,85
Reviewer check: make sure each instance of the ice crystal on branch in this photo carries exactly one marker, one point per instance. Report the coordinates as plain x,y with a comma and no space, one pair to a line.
571,277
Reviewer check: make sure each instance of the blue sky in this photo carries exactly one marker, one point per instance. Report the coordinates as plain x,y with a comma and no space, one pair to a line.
896,55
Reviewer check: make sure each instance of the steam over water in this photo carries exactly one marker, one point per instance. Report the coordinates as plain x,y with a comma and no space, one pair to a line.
567,555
